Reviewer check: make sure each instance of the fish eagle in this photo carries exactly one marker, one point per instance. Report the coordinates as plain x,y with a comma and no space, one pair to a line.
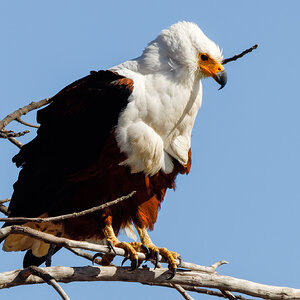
110,133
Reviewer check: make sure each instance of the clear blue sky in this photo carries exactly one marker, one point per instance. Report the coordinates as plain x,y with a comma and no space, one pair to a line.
241,200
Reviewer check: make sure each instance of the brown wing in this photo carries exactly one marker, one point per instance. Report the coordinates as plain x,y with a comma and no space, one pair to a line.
74,128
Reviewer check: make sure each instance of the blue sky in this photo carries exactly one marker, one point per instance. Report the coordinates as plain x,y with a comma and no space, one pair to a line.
241,200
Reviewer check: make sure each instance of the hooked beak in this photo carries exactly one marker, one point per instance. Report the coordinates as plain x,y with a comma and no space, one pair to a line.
221,78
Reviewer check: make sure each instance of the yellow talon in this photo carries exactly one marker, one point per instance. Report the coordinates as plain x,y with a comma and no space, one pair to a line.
170,256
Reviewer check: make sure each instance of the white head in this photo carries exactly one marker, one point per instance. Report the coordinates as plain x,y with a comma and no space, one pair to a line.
186,51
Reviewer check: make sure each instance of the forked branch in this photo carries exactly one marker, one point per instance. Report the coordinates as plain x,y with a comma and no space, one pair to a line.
22,111
45,276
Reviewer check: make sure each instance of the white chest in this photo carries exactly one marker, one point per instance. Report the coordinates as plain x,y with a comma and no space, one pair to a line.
157,122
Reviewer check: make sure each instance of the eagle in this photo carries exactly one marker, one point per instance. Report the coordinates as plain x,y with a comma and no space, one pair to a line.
112,132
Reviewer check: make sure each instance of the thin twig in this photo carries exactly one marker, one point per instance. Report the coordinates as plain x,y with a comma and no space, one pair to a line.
15,142
198,290
22,111
84,254
67,216
182,291
25,123
228,295
4,209
4,200
5,134
179,288
237,56
33,270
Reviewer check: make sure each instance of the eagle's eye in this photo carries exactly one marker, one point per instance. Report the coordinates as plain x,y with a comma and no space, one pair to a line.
204,57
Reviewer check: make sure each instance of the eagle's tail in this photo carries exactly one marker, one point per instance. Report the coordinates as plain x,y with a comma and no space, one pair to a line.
32,260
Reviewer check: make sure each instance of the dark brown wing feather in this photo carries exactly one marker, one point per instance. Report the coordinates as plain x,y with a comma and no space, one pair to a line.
74,128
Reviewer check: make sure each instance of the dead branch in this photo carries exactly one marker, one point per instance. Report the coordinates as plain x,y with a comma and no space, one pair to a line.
182,291
15,142
22,111
199,290
158,276
5,134
86,255
199,276
4,209
90,257
67,216
43,274
26,123
4,200
67,243
237,56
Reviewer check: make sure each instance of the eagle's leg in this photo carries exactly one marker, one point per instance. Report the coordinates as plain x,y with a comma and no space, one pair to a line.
112,241
170,256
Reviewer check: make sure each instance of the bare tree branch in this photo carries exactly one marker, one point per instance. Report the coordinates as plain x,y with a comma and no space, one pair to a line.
4,209
237,56
182,291
5,134
200,290
86,255
26,123
42,273
193,278
67,216
67,243
157,276
187,288
15,142
22,111
4,200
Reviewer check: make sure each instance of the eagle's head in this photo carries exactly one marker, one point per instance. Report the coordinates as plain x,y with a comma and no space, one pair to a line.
184,50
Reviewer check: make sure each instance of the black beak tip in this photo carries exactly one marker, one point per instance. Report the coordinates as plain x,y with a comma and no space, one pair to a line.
221,78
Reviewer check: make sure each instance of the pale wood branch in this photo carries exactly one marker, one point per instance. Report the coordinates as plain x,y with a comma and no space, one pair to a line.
22,111
43,274
67,243
67,216
86,255
158,276
186,288
26,123
4,200
182,291
5,134
4,209
15,142
192,278
200,290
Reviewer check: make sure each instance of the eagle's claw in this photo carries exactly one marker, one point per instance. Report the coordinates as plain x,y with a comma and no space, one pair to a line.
125,258
134,264
111,247
156,259
173,273
95,256
147,252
